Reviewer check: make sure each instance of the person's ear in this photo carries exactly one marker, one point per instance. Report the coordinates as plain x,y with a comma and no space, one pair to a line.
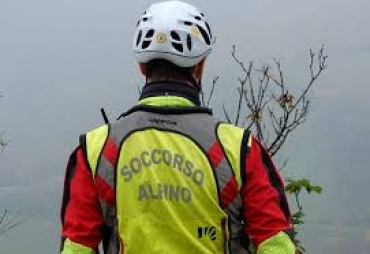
198,71
143,69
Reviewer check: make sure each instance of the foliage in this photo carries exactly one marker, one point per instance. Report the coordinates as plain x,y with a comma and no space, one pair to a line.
295,188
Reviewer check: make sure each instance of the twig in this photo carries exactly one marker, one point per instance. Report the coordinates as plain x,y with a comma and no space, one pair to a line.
226,114
214,81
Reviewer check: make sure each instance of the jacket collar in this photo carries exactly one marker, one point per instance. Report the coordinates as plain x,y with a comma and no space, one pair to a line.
169,98
169,94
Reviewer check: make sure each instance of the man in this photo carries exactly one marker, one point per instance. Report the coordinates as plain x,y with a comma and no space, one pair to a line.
167,177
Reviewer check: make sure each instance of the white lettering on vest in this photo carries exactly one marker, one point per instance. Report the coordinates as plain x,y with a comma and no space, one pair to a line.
148,192
148,159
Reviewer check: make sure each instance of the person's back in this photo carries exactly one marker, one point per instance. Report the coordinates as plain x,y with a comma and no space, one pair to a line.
168,177
168,183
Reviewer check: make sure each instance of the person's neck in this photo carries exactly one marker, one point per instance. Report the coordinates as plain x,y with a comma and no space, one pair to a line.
169,79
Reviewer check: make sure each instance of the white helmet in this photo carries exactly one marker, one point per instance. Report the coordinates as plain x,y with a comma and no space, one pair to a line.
173,31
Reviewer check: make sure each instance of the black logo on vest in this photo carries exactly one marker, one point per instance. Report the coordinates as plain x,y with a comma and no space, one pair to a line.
207,231
162,121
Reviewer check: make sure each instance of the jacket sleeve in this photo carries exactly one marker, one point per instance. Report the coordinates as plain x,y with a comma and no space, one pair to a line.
80,213
266,210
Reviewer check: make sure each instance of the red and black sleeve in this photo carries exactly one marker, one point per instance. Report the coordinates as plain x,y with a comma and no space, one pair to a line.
81,216
266,209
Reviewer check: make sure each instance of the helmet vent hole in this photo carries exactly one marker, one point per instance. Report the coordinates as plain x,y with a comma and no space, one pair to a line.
149,34
175,36
188,42
202,14
146,44
205,35
145,19
188,23
178,47
139,37
209,29
198,18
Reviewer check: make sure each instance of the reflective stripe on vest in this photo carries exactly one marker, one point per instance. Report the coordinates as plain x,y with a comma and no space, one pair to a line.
280,243
165,165
70,247
231,140
95,140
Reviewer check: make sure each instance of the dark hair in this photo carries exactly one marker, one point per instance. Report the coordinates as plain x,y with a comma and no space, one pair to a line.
164,65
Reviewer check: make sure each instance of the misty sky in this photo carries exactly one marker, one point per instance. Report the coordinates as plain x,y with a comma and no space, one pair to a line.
61,60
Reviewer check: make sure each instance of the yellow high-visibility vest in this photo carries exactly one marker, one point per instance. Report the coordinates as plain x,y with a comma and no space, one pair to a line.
169,176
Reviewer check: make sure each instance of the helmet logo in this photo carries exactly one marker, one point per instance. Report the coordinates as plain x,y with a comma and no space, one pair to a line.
161,38
195,32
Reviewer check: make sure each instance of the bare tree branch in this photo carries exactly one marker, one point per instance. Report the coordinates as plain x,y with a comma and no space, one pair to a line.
284,164
269,108
214,81
8,221
226,114
270,96
240,101
3,142
3,216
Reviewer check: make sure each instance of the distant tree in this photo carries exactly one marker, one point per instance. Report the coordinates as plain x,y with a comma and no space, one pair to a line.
269,108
